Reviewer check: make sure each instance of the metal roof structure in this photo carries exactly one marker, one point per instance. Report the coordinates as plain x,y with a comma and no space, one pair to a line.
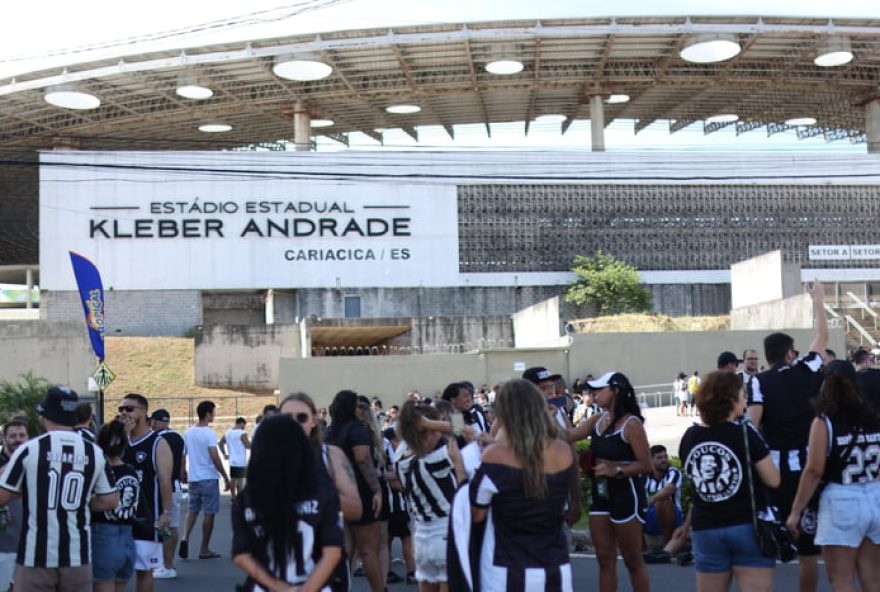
441,68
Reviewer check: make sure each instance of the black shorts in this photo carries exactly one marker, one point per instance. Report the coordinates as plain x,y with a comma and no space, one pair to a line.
237,472
367,515
625,501
398,525
783,496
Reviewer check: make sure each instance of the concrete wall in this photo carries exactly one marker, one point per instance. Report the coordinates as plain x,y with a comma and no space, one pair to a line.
763,279
456,334
796,311
646,358
235,356
131,313
57,351
537,325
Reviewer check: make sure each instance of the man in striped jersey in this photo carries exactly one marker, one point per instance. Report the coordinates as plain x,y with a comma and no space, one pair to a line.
58,472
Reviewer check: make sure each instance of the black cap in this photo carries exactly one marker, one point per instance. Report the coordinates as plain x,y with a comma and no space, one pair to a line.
59,406
161,415
539,374
728,358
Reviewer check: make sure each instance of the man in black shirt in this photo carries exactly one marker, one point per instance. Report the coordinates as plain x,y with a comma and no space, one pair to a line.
780,403
868,377
159,421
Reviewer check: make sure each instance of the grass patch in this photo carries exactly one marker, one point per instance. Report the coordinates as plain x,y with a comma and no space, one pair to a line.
162,369
650,323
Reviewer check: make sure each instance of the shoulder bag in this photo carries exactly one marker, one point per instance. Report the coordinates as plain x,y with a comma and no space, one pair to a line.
774,540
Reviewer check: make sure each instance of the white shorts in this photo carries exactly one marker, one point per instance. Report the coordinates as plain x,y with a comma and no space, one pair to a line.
148,555
429,543
175,509
848,514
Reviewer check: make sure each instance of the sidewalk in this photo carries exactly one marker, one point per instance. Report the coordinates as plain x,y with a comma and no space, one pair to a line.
664,427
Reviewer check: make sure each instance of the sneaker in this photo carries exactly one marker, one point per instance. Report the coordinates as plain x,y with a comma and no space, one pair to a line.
359,572
411,579
183,552
162,573
393,578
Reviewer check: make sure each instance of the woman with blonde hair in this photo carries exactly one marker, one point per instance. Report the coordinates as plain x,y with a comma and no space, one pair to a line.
524,478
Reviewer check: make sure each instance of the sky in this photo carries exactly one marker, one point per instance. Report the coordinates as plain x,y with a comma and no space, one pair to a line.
30,41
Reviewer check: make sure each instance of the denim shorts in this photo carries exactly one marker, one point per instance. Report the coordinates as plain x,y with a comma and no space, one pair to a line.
718,550
112,552
204,495
848,514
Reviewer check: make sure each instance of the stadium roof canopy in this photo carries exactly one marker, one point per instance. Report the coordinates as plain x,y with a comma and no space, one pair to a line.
442,70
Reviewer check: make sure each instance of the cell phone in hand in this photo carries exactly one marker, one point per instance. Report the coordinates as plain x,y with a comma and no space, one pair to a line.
457,420
558,402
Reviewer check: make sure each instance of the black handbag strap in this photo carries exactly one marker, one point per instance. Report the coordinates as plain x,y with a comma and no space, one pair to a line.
751,477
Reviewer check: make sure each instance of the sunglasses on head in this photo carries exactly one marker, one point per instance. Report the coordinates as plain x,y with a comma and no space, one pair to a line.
128,408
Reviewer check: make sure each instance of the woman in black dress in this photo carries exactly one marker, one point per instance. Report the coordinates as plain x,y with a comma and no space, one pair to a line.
524,478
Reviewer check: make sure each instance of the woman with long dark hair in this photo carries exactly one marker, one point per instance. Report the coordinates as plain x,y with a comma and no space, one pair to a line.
622,459
524,478
285,532
718,463
844,451
347,432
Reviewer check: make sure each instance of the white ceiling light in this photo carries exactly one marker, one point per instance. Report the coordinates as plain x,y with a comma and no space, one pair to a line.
195,92
796,121
836,51
403,109
300,70
322,122
214,128
550,118
67,97
723,118
617,99
708,49
504,67
383,130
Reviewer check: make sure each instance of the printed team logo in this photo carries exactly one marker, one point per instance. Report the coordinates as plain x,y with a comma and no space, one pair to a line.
128,487
141,456
714,470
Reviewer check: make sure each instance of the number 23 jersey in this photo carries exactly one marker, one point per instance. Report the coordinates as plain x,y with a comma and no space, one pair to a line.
851,462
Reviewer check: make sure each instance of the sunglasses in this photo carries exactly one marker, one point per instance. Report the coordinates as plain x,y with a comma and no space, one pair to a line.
128,408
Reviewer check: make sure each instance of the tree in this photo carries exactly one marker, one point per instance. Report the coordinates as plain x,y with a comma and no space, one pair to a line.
609,283
21,399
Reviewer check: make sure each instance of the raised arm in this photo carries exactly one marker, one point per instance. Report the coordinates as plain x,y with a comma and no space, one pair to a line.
817,292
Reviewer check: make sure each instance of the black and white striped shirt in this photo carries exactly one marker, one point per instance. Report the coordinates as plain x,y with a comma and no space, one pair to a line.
475,417
57,474
429,483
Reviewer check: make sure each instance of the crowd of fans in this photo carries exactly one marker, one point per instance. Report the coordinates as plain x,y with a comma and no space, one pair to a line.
481,486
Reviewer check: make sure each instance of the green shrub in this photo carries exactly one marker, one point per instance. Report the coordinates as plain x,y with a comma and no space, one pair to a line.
21,399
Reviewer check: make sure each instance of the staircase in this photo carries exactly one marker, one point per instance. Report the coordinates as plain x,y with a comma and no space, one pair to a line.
860,321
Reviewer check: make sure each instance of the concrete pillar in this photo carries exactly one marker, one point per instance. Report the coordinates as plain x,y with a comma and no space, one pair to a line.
597,123
270,307
29,299
872,126
302,127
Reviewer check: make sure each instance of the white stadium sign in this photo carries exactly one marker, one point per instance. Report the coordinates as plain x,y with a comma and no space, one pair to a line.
231,223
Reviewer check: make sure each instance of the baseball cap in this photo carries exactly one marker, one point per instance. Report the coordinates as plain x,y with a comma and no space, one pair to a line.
612,378
728,358
59,406
539,374
161,415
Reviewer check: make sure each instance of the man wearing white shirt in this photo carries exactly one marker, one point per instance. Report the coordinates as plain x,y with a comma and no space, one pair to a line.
234,445
205,468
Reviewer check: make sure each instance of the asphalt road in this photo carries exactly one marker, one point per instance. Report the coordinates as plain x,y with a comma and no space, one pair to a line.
220,575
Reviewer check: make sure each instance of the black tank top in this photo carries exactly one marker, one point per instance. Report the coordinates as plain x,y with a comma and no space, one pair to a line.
851,461
610,445
141,454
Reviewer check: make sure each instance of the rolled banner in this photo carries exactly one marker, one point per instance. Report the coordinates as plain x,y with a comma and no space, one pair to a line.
91,293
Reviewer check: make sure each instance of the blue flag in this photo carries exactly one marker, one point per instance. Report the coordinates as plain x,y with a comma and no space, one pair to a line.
91,293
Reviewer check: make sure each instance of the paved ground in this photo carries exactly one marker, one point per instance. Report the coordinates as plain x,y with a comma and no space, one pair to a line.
220,575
